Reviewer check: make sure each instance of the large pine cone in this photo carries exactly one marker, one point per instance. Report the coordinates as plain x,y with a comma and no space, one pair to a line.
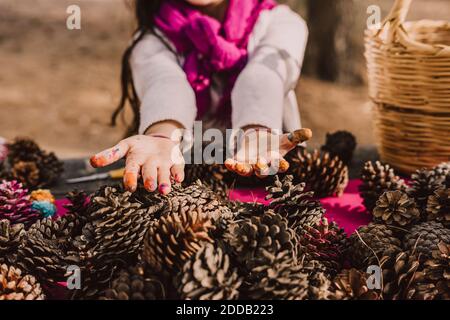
396,208
197,196
424,238
399,273
113,228
210,175
15,204
267,232
438,206
423,184
133,284
292,202
279,278
48,249
370,243
15,286
10,238
351,284
321,173
377,179
33,166
209,275
433,282
171,240
115,225
325,243
341,144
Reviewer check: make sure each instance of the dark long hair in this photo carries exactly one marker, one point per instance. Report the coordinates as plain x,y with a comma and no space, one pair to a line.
145,11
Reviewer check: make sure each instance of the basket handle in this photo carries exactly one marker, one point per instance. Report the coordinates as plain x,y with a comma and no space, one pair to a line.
397,33
396,18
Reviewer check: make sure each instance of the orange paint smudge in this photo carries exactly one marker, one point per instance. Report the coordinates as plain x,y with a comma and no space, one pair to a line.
130,180
149,185
98,162
284,166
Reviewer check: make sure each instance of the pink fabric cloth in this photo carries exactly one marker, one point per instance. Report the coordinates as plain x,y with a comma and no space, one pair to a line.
347,211
208,45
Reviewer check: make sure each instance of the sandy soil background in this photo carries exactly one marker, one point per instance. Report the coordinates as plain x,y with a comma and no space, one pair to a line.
60,86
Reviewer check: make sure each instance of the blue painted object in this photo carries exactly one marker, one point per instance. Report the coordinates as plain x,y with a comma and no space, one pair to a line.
47,209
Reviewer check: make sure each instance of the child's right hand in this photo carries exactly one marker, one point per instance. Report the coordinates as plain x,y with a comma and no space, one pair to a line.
157,159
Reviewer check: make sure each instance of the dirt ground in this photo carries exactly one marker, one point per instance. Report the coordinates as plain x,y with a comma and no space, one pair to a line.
60,86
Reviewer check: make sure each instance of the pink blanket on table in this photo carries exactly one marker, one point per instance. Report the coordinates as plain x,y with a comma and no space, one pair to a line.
347,211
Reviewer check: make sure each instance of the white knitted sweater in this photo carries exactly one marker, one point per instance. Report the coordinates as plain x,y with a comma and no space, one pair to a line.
264,91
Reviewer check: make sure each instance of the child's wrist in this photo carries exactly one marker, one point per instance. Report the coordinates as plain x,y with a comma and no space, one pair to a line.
169,129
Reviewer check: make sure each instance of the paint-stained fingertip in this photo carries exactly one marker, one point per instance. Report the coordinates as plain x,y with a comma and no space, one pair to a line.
164,188
94,160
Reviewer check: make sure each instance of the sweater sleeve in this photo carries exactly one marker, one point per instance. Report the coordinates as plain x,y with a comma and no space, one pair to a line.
161,85
272,71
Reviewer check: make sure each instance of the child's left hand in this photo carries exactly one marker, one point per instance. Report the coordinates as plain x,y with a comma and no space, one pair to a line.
262,151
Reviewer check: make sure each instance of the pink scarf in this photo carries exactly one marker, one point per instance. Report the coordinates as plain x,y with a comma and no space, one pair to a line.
210,46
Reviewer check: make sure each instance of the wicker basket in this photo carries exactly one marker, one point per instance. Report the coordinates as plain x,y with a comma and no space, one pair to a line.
409,83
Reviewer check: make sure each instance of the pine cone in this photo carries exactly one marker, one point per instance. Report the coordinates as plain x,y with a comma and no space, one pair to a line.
294,204
399,273
10,238
174,238
212,176
442,173
244,210
370,243
197,196
115,226
23,149
423,184
323,174
209,275
50,168
351,284
111,237
268,232
15,204
377,179
14,286
78,202
319,284
33,166
341,144
424,238
133,284
48,250
324,243
438,206
396,208
279,278
436,273
27,172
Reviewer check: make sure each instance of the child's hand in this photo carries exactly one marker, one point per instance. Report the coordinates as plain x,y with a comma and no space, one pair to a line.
157,159
261,152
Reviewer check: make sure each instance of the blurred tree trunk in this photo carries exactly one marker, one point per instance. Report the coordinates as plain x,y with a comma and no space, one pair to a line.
334,47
